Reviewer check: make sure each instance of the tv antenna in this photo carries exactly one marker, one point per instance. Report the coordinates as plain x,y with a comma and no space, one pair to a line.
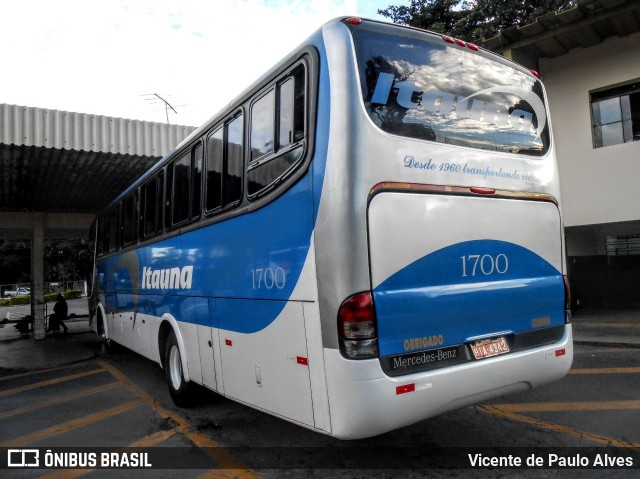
156,98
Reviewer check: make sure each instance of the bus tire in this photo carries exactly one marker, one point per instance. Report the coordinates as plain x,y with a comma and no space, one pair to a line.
180,390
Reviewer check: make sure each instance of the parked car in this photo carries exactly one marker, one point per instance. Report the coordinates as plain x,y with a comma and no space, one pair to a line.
18,292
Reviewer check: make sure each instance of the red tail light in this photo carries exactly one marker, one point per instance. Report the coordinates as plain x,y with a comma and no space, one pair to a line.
357,317
357,327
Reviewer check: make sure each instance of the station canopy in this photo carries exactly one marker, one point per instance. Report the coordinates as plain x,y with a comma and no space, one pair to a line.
62,162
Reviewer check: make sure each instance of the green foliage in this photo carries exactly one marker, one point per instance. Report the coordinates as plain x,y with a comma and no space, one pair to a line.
471,20
72,294
15,301
64,260
51,297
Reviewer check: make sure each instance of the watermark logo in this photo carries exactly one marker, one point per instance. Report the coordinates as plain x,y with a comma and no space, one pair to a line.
23,458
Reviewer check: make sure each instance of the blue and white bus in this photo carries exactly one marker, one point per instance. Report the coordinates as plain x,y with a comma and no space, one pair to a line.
369,236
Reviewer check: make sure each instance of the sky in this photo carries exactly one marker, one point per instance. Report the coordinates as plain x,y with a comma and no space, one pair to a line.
109,57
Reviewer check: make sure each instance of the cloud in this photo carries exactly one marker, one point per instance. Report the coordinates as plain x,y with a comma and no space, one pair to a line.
102,57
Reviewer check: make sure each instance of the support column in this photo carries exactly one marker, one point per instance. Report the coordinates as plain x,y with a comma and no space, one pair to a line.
37,276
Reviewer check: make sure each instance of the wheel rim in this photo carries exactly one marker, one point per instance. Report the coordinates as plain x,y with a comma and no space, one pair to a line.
175,367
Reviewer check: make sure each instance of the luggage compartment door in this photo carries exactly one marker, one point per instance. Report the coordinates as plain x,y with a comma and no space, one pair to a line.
449,270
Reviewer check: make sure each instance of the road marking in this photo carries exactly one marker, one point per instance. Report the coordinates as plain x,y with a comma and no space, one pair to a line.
58,400
39,371
597,438
605,371
50,382
229,465
149,441
70,425
569,406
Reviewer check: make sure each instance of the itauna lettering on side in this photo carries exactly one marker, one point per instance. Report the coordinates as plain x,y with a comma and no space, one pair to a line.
169,278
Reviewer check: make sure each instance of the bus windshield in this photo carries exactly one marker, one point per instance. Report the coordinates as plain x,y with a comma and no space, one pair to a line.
419,86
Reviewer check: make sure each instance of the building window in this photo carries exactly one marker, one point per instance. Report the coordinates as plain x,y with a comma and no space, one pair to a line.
615,115
623,245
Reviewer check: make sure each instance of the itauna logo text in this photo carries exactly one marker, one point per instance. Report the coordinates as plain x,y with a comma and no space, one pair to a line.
170,278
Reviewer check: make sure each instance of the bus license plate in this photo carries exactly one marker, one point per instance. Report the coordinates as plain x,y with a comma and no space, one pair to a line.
489,347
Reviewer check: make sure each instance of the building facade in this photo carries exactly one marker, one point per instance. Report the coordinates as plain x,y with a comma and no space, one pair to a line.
589,62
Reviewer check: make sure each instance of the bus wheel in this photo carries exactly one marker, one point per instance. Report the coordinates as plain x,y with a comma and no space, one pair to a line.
180,390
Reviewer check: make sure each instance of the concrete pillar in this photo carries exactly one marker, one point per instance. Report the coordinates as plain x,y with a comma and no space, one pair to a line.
37,276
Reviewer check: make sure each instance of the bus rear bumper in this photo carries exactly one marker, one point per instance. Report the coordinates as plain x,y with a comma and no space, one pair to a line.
365,402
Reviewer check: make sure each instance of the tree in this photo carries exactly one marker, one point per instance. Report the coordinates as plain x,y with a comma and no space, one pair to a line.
64,260
471,20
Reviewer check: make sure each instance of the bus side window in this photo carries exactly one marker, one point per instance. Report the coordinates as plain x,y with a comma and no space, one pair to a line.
277,131
196,180
225,163
235,163
151,207
129,220
184,185
112,233
262,128
180,189
215,163
101,237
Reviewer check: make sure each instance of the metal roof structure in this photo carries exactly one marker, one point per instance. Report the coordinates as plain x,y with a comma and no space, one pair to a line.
588,23
58,161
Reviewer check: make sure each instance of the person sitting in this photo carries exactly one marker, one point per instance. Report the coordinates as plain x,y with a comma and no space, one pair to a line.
60,311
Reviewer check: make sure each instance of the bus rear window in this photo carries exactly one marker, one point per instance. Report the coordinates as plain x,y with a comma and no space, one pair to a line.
420,88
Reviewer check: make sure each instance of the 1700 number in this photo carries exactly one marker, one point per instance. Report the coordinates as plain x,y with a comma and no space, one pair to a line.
268,278
486,265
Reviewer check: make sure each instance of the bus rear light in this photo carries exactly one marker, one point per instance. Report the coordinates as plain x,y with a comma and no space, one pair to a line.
354,21
535,73
357,327
460,43
560,352
357,317
482,191
359,349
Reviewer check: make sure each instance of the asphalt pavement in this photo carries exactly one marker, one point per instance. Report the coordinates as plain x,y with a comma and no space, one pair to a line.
606,327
